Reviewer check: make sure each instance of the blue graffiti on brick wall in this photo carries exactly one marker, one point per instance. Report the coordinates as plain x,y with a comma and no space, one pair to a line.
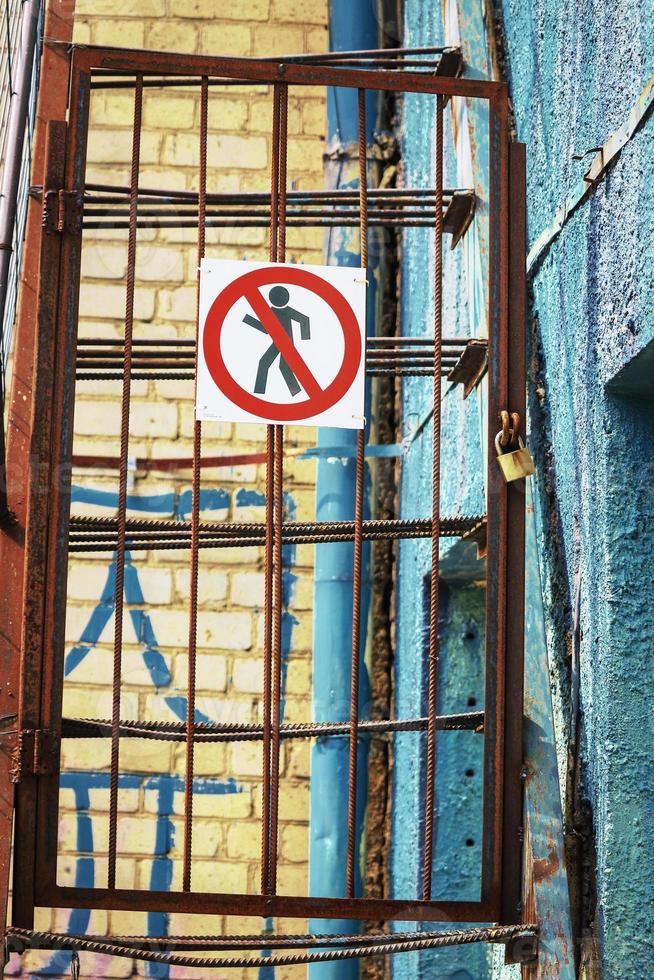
164,785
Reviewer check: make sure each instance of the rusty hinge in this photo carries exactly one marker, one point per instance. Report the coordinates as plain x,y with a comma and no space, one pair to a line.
36,753
62,212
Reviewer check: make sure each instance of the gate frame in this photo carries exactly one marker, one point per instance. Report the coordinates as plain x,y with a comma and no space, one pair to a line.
52,399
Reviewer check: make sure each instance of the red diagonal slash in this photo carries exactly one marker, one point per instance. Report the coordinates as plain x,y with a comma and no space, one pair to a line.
283,342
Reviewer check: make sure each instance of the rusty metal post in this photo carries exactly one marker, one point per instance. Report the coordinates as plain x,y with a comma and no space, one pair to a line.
47,164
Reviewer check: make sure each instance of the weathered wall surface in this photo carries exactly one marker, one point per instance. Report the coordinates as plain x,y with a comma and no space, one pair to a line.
574,73
461,609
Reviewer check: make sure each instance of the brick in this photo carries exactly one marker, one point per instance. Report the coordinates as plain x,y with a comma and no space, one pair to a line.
261,116
231,40
103,261
299,11
153,420
298,678
222,630
81,32
98,922
145,755
220,876
247,675
224,113
137,835
299,761
110,302
207,837
244,841
140,9
95,668
293,801
178,304
247,588
206,9
67,833
302,597
115,145
112,33
292,880
128,800
210,758
316,40
238,152
165,111
85,702
305,154
157,264
245,759
211,672
212,584
314,118
294,843
111,109
135,672
211,431
219,806
280,41
128,923
170,35
300,435
87,756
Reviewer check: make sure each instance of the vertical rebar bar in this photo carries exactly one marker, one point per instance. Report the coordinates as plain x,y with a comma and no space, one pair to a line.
122,482
278,509
195,518
358,544
268,551
432,696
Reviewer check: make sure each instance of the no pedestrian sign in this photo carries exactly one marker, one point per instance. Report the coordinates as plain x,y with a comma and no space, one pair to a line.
281,344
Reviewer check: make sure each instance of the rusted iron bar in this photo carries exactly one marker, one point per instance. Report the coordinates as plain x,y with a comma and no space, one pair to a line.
278,523
116,193
269,532
358,544
122,485
432,695
187,342
243,732
265,940
404,207
195,521
294,532
447,63
389,945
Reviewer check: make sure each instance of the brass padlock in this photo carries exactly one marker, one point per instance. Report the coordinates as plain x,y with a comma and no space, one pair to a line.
517,464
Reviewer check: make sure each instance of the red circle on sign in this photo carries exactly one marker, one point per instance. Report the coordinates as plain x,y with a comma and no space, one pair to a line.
282,411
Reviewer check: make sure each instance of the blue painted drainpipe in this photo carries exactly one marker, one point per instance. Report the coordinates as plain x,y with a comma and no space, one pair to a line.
352,26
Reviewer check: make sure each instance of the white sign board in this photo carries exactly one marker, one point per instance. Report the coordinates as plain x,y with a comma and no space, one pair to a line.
281,343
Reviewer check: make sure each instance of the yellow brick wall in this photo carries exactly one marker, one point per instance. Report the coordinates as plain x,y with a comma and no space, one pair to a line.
229,675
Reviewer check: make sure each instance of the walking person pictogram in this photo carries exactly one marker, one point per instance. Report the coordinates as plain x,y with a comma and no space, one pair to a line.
279,297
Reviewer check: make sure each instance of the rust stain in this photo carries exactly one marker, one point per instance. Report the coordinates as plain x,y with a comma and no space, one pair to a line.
546,867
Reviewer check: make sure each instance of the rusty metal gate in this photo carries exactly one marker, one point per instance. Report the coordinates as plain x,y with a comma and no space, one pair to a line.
70,205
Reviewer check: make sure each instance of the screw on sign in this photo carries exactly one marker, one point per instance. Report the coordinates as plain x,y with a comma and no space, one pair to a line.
281,344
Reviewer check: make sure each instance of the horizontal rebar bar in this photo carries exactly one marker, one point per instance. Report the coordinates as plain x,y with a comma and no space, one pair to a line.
20,939
239,732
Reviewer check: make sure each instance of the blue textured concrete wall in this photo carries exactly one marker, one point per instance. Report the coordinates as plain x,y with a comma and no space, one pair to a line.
461,613
574,71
